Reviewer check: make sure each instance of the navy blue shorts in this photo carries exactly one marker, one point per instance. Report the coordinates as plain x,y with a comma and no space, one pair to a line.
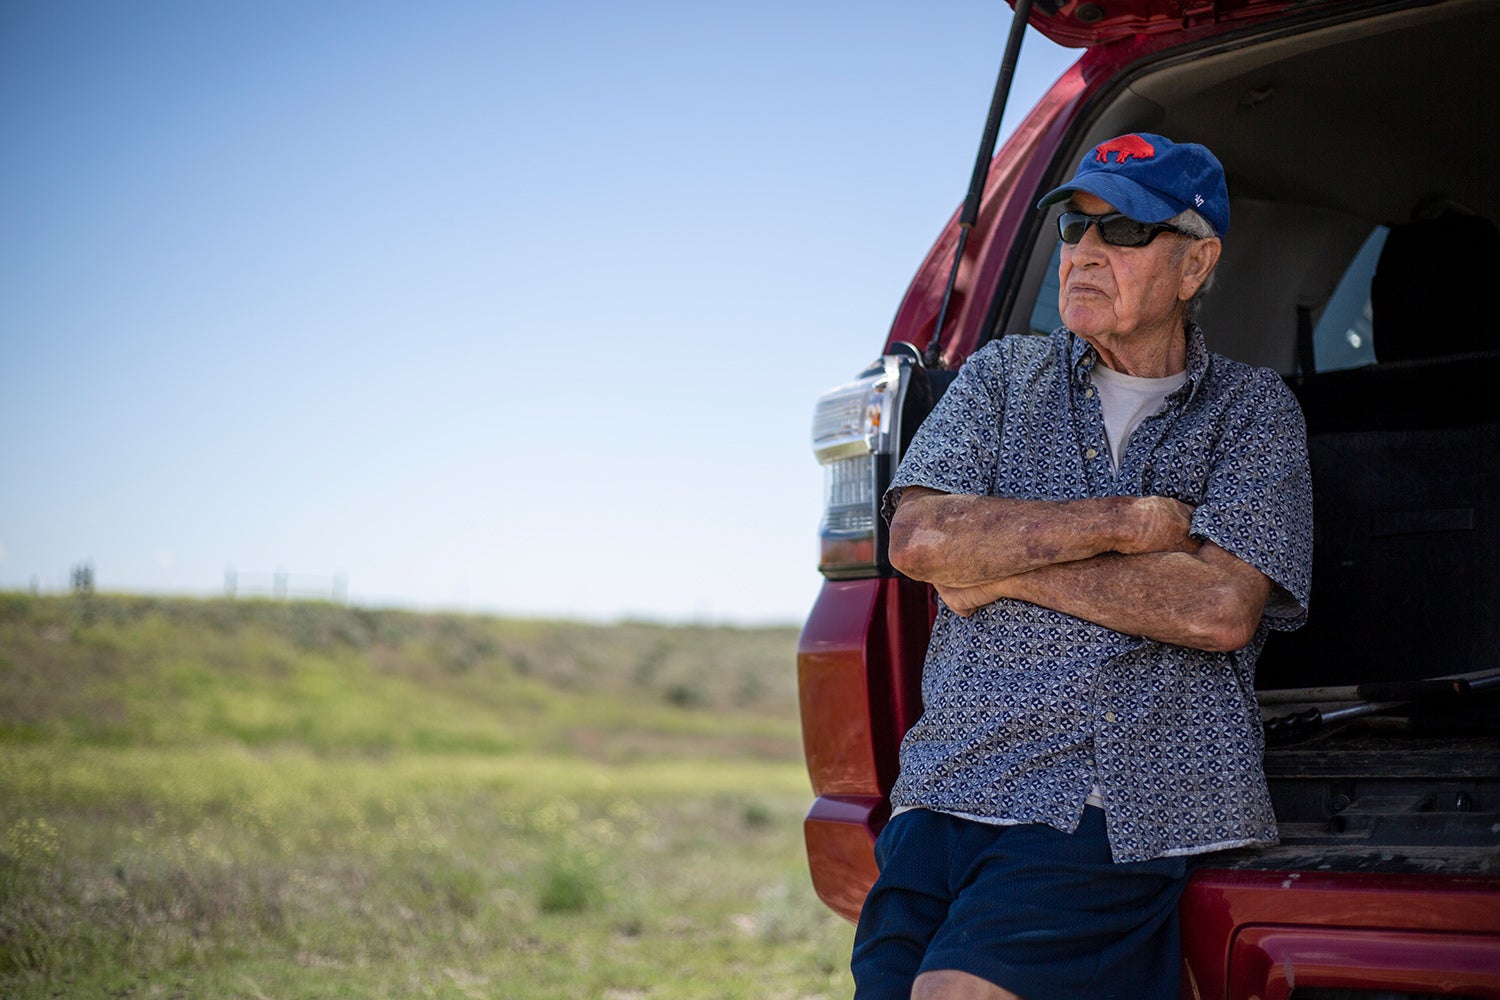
1042,913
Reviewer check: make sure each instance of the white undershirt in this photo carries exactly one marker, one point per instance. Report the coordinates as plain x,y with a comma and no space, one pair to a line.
1127,400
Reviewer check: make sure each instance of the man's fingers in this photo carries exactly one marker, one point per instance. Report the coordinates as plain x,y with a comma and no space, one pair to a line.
962,601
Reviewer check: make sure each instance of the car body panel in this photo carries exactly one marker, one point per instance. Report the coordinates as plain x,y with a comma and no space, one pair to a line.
1261,934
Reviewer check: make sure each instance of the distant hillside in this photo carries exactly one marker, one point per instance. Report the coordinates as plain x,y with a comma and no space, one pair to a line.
116,670
223,799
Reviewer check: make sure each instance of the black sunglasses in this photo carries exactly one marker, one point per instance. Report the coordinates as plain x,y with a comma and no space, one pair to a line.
1115,229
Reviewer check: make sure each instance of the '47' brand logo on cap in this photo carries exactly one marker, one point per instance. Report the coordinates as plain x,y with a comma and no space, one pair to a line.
1123,149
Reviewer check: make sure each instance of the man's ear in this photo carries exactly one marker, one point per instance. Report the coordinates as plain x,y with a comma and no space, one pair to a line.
1197,264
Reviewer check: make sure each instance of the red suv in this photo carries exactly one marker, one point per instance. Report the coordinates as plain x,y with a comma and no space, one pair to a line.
1362,145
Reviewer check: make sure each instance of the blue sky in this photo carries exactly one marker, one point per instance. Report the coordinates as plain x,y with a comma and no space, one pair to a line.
500,307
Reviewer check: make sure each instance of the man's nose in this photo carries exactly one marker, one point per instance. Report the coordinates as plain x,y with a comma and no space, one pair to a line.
1090,249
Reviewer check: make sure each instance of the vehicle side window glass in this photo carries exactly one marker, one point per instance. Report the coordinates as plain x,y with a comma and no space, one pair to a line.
1342,337
1044,315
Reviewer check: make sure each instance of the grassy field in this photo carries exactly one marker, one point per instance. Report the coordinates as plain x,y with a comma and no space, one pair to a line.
257,799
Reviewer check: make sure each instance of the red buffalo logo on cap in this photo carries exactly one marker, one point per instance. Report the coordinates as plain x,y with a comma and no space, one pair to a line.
1123,149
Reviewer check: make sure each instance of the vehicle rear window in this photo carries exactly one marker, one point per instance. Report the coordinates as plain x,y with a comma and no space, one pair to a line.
1342,337
1044,315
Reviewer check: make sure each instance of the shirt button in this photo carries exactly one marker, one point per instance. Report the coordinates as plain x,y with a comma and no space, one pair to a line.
1109,717
1088,393
1089,763
1090,452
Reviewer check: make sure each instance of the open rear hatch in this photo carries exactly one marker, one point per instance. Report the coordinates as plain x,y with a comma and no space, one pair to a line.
1085,23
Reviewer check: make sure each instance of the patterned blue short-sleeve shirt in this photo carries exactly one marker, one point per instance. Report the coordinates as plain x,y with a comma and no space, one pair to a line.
1026,709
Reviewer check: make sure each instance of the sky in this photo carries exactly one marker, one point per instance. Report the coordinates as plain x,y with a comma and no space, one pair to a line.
500,307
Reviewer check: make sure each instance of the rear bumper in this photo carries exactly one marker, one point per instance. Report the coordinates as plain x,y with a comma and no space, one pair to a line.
1260,935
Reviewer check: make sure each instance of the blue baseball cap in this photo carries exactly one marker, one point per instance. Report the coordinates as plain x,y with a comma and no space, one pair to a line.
1151,178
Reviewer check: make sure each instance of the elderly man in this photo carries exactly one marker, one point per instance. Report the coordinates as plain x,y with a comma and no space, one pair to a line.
1113,519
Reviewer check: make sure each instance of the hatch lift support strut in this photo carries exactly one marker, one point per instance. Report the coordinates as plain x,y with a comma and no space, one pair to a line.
932,357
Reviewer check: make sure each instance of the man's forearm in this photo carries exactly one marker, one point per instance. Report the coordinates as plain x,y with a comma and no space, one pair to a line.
956,540
1205,600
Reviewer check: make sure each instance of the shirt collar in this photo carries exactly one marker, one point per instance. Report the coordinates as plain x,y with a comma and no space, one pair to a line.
1084,357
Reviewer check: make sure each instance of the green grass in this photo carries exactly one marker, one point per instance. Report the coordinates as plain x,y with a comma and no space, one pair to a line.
246,799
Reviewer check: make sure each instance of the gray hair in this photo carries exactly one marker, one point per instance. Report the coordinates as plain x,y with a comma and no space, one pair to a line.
1194,226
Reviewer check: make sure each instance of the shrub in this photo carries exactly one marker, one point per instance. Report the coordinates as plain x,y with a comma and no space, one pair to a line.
569,885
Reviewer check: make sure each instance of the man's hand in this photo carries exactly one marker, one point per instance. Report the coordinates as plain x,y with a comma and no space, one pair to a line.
1162,525
964,601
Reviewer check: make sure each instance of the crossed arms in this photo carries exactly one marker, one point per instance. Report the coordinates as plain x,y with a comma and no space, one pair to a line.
1127,563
